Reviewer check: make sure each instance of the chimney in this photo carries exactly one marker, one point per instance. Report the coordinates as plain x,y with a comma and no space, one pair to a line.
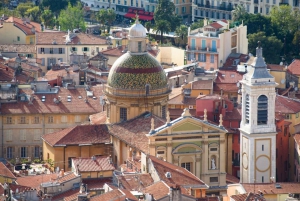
62,172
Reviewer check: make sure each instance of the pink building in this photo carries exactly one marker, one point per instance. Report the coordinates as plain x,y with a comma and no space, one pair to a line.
212,44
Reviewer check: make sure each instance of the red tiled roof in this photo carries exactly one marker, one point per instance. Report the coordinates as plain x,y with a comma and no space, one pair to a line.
158,190
135,182
47,38
275,67
230,64
98,118
80,134
69,195
216,25
175,113
235,114
294,67
64,107
226,87
239,197
5,172
286,105
228,76
67,177
179,176
6,73
96,183
202,84
136,135
182,100
270,188
53,74
116,194
25,27
36,180
230,179
101,163
297,138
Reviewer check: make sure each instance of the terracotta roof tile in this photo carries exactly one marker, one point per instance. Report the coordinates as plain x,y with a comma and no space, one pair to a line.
135,182
64,107
36,180
179,176
202,84
175,92
96,183
47,38
5,172
230,179
20,48
294,67
98,118
270,188
158,190
67,177
116,194
175,113
101,163
136,135
80,134
240,197
69,195
226,87
235,114
230,61
216,25
25,27
53,74
286,105
228,76
275,67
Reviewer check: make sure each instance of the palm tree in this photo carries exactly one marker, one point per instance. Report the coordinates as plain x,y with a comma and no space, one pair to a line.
238,12
148,26
162,26
110,18
181,32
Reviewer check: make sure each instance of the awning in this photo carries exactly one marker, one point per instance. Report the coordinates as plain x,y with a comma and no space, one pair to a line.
145,17
142,17
130,15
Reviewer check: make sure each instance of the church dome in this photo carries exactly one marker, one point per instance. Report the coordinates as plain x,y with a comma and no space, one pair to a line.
137,30
132,71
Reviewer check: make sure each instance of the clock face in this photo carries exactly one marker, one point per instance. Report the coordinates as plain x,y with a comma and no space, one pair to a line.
245,161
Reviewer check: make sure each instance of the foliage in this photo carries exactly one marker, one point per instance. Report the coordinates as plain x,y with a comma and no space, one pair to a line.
55,5
34,12
181,32
72,18
165,11
267,43
196,25
47,18
238,12
50,162
106,17
162,26
37,161
283,17
23,7
5,11
148,26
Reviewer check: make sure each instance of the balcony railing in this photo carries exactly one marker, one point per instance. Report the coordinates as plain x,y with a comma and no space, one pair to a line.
221,7
200,49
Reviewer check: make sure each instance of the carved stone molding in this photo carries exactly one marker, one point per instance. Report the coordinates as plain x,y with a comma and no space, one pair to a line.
205,142
169,144
198,159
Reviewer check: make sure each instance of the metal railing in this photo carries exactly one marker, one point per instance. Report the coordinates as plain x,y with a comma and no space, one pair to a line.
222,7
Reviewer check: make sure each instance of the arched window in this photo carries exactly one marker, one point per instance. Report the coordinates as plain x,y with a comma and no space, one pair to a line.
92,5
247,109
262,110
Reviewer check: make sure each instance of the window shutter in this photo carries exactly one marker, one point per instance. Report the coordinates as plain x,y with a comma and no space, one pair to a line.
87,49
39,51
63,50
4,152
82,48
19,152
13,152
43,61
33,152
26,151
55,50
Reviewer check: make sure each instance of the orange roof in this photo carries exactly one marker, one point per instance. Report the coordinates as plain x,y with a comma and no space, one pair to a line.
131,183
230,179
26,27
116,194
202,84
226,87
98,118
228,76
63,107
53,74
275,67
47,38
80,134
270,188
96,183
93,165
35,180
286,105
119,51
69,195
136,135
5,172
158,190
216,25
294,67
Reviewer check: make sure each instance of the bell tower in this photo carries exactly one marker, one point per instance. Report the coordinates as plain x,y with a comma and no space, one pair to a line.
258,129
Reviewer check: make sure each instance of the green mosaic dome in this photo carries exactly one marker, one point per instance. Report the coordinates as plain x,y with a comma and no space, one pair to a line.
135,71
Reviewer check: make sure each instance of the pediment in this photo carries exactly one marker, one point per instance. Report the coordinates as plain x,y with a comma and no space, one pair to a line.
188,126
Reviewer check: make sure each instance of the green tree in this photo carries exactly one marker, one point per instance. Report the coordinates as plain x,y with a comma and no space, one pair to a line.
267,43
148,26
258,23
196,25
23,7
47,18
296,43
55,5
181,32
166,11
34,12
102,17
283,17
110,18
162,26
72,18
238,12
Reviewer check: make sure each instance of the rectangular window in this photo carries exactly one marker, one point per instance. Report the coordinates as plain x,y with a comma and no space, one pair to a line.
37,134
50,120
23,134
36,152
262,147
267,10
8,135
60,51
36,120
139,46
274,1
77,118
183,9
9,152
18,38
22,120
213,179
70,161
212,58
163,112
42,50
248,8
123,114
85,49
186,166
51,50
23,152
9,120
64,119
262,179
202,57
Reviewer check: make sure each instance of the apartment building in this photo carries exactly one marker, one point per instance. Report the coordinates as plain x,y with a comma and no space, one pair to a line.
213,43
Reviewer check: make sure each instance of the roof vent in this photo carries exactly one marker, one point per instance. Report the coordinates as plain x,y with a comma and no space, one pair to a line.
43,98
277,185
69,98
168,175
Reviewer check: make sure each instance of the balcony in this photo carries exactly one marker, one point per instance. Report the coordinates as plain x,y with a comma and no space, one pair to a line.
283,3
201,50
221,7
153,1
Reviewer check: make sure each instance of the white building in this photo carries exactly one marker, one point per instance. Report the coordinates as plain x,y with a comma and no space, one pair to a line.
258,130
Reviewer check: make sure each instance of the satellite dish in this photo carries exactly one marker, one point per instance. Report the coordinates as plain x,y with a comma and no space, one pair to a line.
282,81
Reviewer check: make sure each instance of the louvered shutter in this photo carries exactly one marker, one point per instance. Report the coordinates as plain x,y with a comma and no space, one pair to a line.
63,50
55,51
13,152
4,152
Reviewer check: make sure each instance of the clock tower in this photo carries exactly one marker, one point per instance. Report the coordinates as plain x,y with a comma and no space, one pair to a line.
258,129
